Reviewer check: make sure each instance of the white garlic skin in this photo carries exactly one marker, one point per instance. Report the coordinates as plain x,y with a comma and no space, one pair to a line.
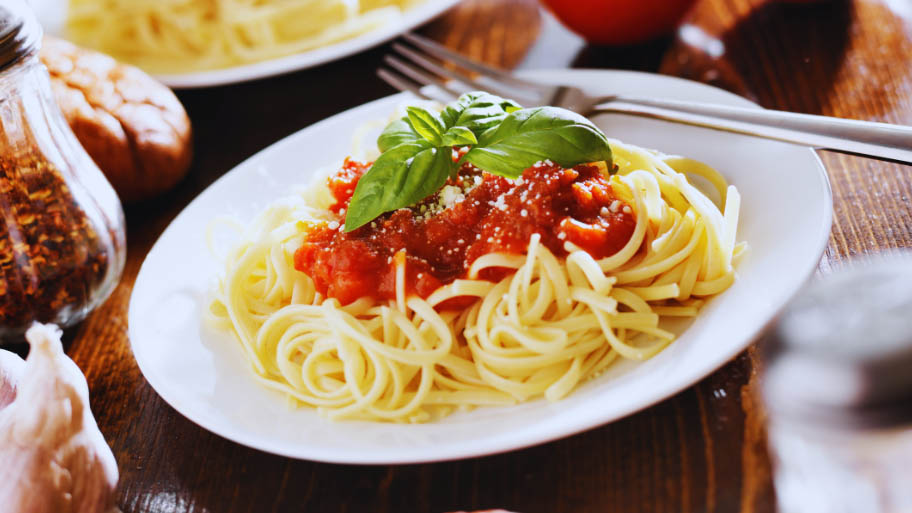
11,369
53,458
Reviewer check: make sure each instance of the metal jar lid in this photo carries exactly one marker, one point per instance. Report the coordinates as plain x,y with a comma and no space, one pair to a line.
20,33
841,352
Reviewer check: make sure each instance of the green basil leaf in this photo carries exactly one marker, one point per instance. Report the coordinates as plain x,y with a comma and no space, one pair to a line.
401,176
427,173
458,136
426,124
527,136
396,133
477,111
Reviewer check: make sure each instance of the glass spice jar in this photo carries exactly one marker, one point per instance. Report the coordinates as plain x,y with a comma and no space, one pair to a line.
838,388
62,234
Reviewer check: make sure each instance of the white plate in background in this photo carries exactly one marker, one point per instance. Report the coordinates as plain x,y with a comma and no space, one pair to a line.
51,13
786,214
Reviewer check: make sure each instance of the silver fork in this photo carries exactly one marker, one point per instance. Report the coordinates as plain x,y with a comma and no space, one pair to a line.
424,64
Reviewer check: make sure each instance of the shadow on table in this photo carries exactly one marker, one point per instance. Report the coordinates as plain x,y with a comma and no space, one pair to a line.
641,57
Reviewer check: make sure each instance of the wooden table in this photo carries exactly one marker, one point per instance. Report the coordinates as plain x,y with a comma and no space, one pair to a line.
702,450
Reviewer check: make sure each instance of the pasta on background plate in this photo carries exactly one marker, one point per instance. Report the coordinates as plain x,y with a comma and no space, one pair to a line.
179,36
499,286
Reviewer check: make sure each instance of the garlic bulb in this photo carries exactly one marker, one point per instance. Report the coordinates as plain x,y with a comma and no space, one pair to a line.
53,459
11,367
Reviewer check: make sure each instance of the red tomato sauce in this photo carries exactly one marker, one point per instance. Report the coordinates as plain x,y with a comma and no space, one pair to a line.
476,214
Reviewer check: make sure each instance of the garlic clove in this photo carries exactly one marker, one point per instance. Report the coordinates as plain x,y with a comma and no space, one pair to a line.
53,458
11,368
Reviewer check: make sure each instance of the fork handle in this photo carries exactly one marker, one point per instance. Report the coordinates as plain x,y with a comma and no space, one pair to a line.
868,138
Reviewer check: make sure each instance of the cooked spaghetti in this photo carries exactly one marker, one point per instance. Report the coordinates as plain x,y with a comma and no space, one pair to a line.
177,36
421,338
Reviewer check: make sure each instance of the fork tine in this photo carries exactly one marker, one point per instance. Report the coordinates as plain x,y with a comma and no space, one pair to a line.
445,54
433,93
400,84
432,66
419,76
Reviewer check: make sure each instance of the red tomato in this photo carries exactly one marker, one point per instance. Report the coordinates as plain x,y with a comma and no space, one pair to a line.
620,22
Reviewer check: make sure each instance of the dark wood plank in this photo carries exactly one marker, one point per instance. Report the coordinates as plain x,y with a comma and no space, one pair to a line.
701,450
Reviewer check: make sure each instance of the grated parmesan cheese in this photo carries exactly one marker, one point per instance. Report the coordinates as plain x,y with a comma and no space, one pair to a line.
449,196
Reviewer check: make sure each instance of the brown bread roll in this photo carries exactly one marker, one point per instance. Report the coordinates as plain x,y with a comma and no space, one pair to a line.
134,127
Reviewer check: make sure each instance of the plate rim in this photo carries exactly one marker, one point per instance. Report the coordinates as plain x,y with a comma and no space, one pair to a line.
481,447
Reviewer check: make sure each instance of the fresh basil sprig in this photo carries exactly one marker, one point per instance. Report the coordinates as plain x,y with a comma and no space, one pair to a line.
475,111
505,139
416,154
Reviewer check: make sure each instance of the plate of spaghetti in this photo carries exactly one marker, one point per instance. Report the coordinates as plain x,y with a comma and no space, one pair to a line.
485,277
199,43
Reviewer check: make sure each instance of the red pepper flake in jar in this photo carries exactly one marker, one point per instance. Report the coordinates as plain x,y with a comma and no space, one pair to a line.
475,214
51,258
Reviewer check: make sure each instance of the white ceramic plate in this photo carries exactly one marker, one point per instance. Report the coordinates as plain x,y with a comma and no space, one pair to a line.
412,18
786,217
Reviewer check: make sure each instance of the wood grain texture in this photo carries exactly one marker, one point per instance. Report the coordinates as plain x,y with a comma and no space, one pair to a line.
699,451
